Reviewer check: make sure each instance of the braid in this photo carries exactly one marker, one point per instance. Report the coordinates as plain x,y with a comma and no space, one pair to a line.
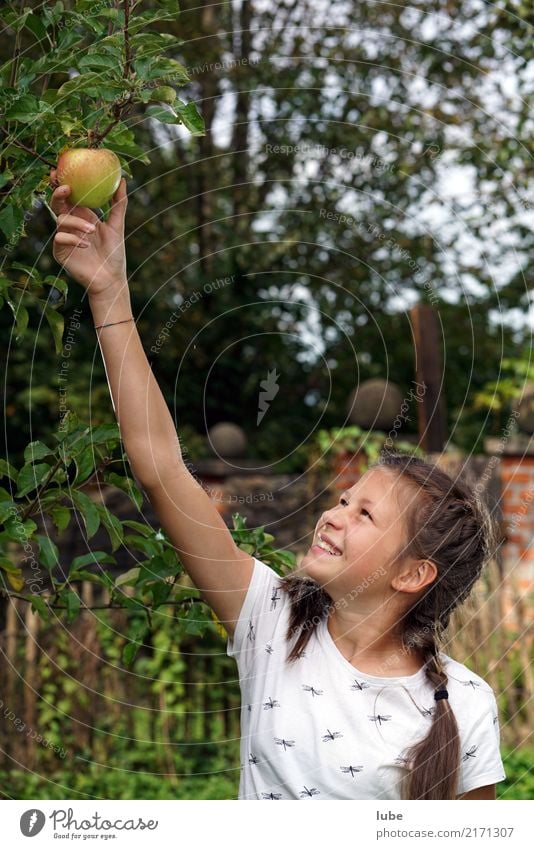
440,749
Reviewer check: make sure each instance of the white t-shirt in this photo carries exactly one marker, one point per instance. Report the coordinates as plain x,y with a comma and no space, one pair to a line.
318,728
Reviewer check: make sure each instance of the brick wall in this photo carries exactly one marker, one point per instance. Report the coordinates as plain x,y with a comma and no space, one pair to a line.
517,480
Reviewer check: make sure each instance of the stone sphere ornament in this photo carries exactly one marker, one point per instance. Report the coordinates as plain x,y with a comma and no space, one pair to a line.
375,404
227,440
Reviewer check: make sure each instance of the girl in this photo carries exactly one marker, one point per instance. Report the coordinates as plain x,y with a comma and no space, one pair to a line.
345,692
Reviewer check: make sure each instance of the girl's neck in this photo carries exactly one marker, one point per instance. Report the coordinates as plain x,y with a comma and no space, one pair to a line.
389,659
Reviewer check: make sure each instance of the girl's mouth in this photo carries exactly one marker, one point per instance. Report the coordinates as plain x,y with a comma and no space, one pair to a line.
316,549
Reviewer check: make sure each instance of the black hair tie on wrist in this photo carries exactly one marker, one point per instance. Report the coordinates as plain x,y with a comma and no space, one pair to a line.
441,694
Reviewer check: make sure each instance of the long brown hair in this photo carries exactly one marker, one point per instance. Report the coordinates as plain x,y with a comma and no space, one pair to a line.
444,522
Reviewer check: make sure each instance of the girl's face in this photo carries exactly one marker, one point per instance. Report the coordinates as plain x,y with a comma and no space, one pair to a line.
366,527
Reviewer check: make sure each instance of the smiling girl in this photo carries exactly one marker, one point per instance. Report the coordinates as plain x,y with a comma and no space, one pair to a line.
345,692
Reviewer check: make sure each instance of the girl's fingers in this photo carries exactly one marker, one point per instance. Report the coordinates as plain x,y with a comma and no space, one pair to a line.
58,201
64,239
60,205
66,221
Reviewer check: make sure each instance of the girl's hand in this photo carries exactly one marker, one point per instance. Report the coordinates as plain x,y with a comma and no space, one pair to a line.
91,250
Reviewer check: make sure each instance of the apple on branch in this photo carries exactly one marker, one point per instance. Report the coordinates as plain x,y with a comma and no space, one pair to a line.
93,175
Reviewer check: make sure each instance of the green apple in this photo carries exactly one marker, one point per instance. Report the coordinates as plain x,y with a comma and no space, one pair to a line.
164,94
93,175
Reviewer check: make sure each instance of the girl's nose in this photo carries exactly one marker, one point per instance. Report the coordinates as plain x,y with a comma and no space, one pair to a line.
330,517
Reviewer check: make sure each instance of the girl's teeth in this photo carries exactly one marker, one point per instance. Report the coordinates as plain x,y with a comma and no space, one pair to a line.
323,546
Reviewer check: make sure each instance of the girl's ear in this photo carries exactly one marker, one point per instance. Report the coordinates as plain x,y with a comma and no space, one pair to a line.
415,577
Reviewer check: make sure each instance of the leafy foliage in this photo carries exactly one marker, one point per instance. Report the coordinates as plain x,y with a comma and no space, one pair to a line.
98,69
54,490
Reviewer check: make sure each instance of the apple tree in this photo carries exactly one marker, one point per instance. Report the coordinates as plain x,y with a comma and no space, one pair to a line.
102,69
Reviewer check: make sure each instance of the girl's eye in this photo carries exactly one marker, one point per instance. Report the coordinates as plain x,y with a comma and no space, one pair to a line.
344,502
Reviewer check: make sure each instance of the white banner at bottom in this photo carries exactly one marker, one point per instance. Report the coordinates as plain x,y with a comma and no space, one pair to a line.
233,824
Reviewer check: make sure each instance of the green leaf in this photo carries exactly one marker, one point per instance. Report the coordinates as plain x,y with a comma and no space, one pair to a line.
105,433
5,177
160,67
103,580
130,577
112,525
195,617
98,60
148,546
144,530
160,593
191,117
35,25
89,510
21,317
163,113
8,222
8,510
93,557
85,465
48,551
129,652
39,606
60,517
57,324
23,109
15,19
30,477
131,603
8,471
73,602
87,83
8,566
126,485
156,569
36,451
18,531
56,283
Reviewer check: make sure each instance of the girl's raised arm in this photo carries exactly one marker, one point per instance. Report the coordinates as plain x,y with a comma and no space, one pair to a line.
216,565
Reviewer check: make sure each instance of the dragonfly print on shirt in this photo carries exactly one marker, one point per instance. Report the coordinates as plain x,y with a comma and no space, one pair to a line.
470,683
269,648
331,735
251,632
287,744
253,759
312,690
470,753
274,597
270,703
309,791
379,718
271,795
359,685
351,770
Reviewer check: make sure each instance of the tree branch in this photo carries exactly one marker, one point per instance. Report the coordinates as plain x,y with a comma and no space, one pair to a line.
127,47
109,606
28,149
45,483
